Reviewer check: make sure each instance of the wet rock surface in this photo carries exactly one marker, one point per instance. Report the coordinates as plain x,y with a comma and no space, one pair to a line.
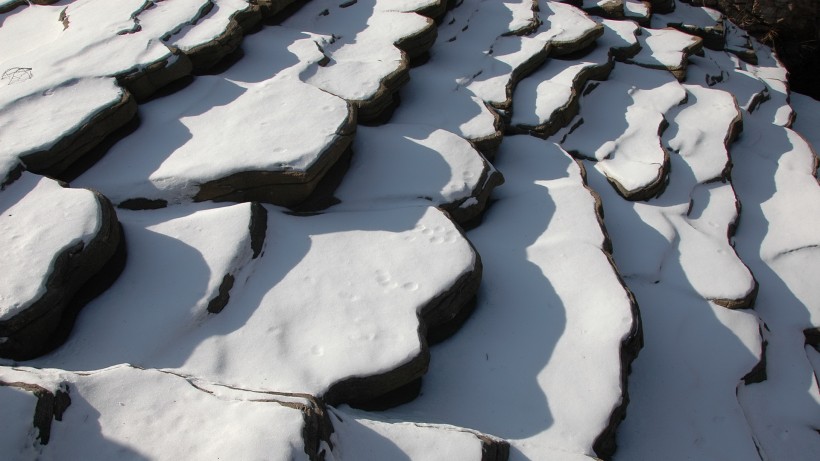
416,229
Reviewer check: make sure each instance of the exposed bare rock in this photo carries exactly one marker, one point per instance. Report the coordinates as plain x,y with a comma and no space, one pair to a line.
42,406
544,218
566,28
662,6
479,50
789,26
639,11
67,66
219,32
61,59
170,251
774,176
355,285
9,5
54,241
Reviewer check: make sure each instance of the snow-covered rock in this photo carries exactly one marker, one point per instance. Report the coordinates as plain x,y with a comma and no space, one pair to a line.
265,325
55,241
398,165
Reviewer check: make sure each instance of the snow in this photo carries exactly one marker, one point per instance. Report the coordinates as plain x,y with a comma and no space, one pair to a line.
700,17
474,63
174,270
554,382
369,271
807,118
399,164
629,153
554,89
635,213
359,41
101,40
638,10
18,405
177,150
211,26
774,177
565,26
666,49
683,402
126,411
74,104
39,220
356,436
700,132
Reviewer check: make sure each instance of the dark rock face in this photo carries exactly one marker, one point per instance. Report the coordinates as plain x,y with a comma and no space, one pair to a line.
792,27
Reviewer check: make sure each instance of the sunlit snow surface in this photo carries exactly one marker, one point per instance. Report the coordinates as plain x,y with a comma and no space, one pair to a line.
639,267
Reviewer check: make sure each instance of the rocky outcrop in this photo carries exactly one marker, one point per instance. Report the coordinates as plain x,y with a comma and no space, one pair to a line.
55,241
398,164
792,27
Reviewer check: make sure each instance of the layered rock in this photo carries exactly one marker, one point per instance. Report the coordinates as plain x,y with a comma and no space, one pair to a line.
176,156
136,409
549,99
789,26
629,153
361,287
566,393
397,165
55,241
367,48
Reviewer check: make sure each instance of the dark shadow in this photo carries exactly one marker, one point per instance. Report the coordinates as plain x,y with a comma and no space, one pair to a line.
125,170
160,307
762,175
486,376
463,54
599,126
81,436
133,159
358,441
391,167
689,350
145,309
265,54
